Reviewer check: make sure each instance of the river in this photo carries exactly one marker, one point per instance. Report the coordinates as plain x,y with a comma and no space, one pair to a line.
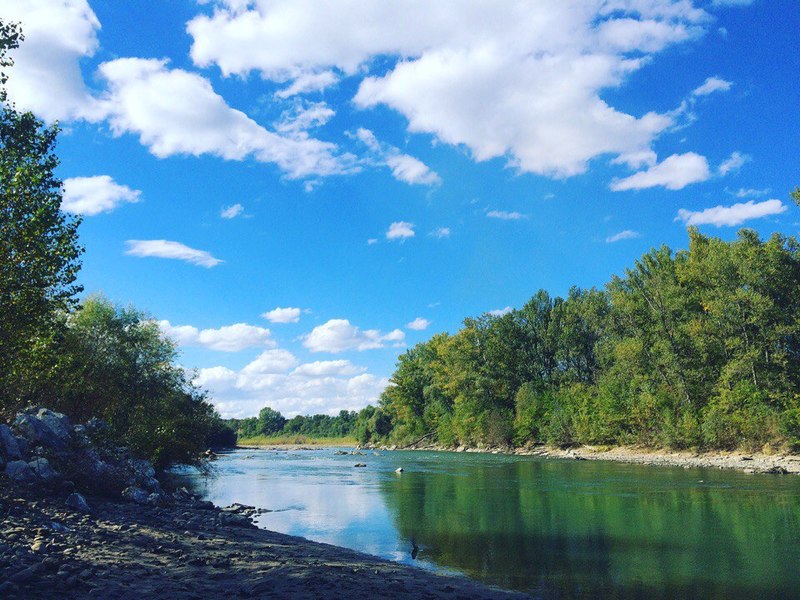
553,528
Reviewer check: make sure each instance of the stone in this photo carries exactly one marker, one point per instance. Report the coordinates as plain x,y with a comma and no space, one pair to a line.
41,467
359,465
19,471
77,502
59,424
8,443
37,433
399,470
135,494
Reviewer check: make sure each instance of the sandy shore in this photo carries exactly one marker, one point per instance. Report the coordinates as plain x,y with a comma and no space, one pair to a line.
127,551
780,464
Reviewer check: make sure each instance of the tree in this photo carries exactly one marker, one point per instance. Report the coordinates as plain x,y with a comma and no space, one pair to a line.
270,421
39,249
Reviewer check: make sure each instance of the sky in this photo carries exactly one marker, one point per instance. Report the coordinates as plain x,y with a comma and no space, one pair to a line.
300,191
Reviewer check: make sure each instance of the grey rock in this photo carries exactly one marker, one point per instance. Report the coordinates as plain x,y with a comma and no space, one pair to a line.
19,471
8,444
41,467
77,502
59,424
135,494
37,433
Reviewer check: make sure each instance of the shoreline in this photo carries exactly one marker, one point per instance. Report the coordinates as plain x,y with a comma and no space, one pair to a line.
752,463
129,551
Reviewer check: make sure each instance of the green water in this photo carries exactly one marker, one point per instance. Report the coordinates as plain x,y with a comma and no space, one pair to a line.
556,529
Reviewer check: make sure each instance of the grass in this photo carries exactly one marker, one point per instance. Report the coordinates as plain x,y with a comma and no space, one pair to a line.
295,440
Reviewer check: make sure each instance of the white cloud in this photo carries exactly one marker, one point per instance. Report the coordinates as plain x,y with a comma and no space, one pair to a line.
328,368
317,387
400,230
505,215
230,338
674,173
441,232
419,324
283,315
404,167
711,85
521,81
174,250
309,82
733,163
499,312
732,2
372,241
732,215
338,335
304,116
628,234
175,112
94,195
271,362
749,192
46,77
231,212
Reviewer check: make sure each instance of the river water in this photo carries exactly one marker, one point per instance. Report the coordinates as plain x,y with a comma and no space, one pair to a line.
553,528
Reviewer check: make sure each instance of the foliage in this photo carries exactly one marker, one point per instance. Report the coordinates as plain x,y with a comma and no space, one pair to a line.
39,249
270,424
699,348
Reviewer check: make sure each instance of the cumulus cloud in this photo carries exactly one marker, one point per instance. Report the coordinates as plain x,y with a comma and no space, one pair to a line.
230,338
338,335
317,387
732,215
328,368
711,85
520,81
504,215
733,163
628,234
400,230
441,232
46,77
404,167
419,324
169,249
674,173
499,312
91,196
309,82
283,315
231,212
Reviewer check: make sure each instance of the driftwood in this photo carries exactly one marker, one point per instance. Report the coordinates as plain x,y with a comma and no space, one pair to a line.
414,443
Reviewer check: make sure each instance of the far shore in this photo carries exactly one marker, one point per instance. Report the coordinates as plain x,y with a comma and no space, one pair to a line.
747,462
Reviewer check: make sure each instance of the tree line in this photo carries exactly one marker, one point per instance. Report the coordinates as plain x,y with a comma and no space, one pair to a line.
271,423
692,349
85,358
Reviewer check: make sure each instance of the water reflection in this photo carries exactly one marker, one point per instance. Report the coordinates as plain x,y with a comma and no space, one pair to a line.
557,529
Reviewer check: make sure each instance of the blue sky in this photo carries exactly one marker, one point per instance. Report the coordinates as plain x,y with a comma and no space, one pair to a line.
298,191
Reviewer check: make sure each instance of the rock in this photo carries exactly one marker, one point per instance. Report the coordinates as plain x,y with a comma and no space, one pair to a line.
19,471
359,465
37,433
399,470
135,494
77,502
41,467
8,444
59,424
777,470
24,575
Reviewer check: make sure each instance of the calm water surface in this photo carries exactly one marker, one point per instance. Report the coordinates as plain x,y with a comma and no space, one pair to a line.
553,528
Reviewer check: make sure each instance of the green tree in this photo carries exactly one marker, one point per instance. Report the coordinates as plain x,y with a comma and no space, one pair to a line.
39,249
270,421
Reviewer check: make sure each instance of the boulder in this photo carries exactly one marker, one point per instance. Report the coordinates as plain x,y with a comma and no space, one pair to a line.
77,502
37,433
135,494
19,471
8,444
42,469
59,424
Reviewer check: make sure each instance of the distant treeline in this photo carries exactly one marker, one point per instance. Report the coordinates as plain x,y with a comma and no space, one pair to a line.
699,348
270,422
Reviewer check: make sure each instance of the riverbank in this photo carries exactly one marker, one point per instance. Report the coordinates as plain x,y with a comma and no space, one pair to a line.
129,551
778,464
